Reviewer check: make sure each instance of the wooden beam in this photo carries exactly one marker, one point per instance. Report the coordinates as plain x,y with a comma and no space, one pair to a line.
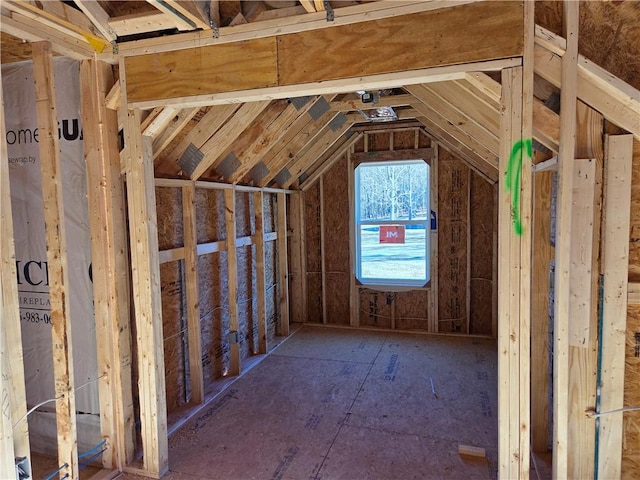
568,102
208,125
193,298
145,270
258,207
581,329
543,254
187,9
451,143
175,126
463,110
25,28
546,126
327,137
308,6
616,100
323,251
56,242
14,439
283,264
283,25
228,162
297,136
480,157
399,100
433,240
269,136
94,11
232,279
159,122
275,61
109,257
141,22
78,26
335,153
223,139
296,279
615,260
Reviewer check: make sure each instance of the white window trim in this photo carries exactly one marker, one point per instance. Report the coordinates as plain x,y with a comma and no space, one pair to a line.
385,283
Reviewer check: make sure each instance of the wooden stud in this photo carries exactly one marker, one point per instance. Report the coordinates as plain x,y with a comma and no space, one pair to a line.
196,374
57,258
98,16
581,287
354,292
543,254
14,440
322,253
615,259
295,273
283,267
234,333
566,154
433,241
258,207
514,281
105,194
145,270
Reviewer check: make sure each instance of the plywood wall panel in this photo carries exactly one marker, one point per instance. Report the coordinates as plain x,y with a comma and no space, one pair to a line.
481,235
404,139
453,204
631,420
412,310
379,141
173,328
314,254
634,241
376,308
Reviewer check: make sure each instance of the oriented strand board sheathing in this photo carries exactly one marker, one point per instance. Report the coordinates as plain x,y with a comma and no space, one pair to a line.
376,308
174,333
452,242
379,141
336,242
245,221
482,228
314,254
412,310
424,141
210,215
404,139
214,315
269,212
247,301
634,240
359,145
631,422
169,211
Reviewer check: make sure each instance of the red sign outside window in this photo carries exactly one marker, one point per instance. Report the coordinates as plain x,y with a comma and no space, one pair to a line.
391,233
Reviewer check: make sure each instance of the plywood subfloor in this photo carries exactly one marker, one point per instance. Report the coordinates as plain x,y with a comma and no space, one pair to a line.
342,404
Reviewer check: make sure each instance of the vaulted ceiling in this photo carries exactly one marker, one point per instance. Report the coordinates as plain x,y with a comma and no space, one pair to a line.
286,141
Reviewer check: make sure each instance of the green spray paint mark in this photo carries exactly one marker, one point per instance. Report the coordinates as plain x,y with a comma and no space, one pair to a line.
514,172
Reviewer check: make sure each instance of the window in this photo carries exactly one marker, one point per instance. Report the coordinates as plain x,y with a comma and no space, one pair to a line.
392,217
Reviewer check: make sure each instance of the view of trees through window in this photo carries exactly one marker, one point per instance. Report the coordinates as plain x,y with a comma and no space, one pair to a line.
392,215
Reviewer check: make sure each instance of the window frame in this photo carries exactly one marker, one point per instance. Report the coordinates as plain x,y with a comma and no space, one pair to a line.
385,283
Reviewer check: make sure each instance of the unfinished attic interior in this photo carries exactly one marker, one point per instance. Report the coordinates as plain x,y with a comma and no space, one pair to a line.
320,239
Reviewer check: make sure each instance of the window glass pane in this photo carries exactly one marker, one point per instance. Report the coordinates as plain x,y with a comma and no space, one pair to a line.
394,192
393,252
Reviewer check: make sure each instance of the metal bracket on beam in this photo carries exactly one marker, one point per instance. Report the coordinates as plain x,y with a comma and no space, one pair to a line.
232,337
212,22
114,46
329,10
